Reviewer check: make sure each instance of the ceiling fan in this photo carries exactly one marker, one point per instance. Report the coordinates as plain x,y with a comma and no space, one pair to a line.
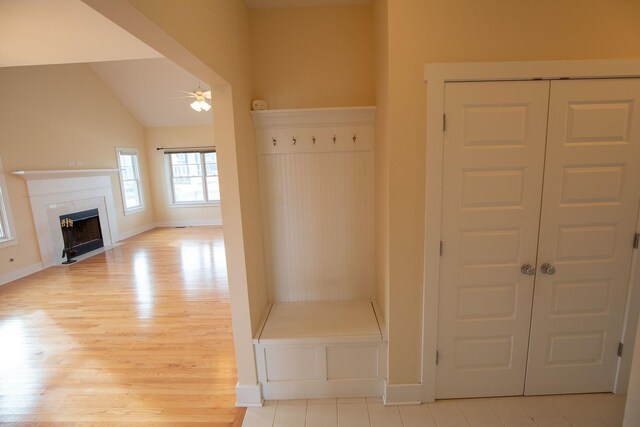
200,102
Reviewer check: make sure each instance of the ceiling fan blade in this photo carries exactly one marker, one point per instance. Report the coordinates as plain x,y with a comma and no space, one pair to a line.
185,92
181,97
207,94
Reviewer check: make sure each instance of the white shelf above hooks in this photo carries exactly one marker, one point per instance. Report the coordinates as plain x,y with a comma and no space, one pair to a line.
314,130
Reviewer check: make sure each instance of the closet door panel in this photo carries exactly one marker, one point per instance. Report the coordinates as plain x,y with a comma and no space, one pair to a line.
494,154
589,207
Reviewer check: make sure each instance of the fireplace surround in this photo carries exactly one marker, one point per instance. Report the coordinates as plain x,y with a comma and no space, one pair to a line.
56,193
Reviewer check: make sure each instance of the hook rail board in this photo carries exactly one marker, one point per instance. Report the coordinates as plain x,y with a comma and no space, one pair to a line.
317,199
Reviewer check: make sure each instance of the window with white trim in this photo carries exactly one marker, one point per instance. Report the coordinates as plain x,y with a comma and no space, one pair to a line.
193,177
7,230
132,198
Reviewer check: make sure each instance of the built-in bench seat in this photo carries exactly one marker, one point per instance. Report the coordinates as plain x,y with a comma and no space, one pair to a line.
321,349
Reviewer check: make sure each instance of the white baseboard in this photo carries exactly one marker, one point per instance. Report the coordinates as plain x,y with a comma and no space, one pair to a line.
402,394
126,234
188,223
248,395
20,273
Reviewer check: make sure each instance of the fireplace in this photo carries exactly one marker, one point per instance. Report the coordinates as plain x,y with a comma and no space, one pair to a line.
54,194
81,232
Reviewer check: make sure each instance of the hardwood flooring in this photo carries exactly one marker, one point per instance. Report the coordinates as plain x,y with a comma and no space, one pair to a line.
140,334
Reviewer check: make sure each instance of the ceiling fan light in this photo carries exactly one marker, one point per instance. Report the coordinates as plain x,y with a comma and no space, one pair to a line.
205,106
196,106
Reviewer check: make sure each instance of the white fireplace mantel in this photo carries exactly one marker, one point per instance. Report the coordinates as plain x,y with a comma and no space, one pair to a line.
62,173
58,192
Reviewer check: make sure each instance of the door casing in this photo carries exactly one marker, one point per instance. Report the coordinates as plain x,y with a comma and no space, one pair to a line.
436,75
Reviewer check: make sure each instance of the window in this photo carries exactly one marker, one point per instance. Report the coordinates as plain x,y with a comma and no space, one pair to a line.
7,230
194,177
5,234
132,198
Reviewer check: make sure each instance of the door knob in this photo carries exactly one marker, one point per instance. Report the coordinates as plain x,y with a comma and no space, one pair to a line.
528,269
547,268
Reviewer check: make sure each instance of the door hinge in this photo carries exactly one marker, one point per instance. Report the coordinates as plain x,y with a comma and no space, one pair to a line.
437,357
444,122
636,241
620,347
441,247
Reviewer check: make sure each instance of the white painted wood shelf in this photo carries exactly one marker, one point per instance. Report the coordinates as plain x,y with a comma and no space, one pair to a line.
315,321
62,173
321,349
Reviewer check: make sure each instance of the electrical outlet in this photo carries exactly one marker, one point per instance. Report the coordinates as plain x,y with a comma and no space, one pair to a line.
71,163
79,163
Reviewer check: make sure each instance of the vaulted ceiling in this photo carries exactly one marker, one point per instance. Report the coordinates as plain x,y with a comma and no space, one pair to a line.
45,32
38,32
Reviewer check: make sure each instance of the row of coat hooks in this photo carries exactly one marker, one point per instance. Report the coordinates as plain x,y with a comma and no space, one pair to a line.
274,140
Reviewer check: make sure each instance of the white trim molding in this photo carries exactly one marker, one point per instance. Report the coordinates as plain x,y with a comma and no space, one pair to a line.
402,394
262,4
51,198
20,273
127,151
61,173
248,395
531,70
190,223
314,117
436,75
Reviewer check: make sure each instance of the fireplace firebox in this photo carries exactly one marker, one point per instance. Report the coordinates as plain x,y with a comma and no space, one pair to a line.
81,233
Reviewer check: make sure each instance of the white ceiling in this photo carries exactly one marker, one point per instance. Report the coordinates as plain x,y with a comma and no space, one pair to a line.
257,4
148,88
42,32
37,32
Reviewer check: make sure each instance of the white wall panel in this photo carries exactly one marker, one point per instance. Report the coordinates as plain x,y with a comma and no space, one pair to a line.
317,203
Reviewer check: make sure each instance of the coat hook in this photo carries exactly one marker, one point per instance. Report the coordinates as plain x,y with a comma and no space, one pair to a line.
274,141
354,137
313,139
334,139
294,140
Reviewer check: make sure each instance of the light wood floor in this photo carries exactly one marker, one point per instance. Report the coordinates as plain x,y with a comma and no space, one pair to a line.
138,334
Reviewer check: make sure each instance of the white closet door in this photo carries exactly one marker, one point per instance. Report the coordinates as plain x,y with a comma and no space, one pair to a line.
494,155
590,202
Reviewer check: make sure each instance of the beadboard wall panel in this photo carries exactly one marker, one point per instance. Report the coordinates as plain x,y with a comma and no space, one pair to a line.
318,207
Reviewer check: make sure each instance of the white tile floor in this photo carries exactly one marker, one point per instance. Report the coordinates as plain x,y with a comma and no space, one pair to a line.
584,410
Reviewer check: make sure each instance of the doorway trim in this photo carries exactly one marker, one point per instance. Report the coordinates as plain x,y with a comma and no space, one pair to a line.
436,75
125,15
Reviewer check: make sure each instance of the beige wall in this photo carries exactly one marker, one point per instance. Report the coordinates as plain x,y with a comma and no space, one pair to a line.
381,50
418,32
217,33
632,409
53,115
176,136
312,56
427,31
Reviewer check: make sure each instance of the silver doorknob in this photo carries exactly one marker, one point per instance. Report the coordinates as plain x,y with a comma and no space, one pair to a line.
528,269
547,268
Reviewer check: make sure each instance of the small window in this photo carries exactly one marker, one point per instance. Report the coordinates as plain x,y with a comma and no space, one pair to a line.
7,230
128,164
5,233
194,177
